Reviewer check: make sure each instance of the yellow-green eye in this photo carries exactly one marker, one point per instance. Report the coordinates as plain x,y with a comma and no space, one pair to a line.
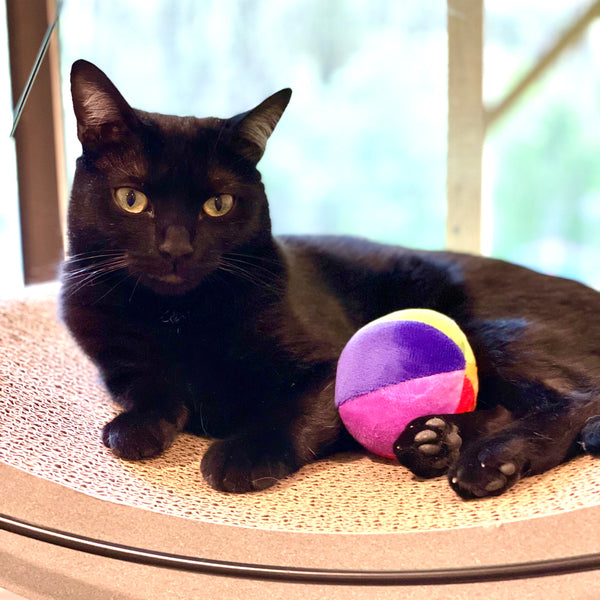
130,200
218,206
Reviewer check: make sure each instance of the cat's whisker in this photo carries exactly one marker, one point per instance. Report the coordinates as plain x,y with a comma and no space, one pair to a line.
248,259
96,258
94,254
259,279
85,276
98,268
93,258
135,287
245,263
114,287
253,257
98,271
241,274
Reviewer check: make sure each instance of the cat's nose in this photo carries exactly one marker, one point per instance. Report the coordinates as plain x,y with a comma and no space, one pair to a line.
177,242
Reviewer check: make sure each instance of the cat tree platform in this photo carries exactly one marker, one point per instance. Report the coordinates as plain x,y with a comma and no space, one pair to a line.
351,512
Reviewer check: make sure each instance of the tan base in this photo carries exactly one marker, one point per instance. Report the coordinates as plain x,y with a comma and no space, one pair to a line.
39,571
348,512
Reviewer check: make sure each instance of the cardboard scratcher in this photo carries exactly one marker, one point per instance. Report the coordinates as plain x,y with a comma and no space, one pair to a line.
53,406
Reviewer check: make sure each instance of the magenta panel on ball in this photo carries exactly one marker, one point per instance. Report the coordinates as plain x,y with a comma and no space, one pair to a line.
377,418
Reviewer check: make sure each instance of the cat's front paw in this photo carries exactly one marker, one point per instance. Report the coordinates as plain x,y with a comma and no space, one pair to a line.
134,436
246,464
428,446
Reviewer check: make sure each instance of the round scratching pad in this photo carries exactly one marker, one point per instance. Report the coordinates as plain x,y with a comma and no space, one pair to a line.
53,407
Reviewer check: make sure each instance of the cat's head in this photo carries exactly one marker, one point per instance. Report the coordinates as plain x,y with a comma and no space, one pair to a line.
165,198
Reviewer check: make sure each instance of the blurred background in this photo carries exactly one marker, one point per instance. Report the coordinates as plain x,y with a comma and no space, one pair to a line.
362,148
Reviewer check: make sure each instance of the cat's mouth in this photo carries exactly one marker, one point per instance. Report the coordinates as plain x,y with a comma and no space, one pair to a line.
173,279
171,283
170,278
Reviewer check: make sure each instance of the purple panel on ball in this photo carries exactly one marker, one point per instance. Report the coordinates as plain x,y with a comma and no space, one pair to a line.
376,419
391,352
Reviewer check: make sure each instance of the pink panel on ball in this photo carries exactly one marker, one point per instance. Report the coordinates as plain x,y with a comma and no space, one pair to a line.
377,419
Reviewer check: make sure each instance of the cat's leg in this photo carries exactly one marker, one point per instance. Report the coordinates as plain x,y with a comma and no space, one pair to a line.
490,465
542,437
154,409
486,452
153,397
150,391
153,400
257,458
532,444
138,378
431,444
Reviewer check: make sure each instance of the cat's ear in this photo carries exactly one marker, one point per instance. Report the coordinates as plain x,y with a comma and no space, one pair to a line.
103,115
253,128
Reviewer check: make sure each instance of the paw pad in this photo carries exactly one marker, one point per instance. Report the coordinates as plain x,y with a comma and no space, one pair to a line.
428,446
483,479
508,469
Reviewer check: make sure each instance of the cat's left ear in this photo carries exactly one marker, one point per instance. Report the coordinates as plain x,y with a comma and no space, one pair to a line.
253,128
103,115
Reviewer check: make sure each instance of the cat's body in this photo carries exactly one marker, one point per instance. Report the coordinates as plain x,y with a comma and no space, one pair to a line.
199,318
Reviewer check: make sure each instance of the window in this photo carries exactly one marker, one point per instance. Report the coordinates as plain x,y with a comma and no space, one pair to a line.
361,148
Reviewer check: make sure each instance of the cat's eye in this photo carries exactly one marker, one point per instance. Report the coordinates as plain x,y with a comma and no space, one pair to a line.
218,206
131,200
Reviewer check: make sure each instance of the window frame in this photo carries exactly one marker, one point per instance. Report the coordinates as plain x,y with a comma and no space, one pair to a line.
39,140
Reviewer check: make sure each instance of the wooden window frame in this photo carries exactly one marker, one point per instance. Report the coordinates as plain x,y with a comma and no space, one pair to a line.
39,140
466,131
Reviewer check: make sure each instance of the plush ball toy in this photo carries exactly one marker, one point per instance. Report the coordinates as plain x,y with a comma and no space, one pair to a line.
407,364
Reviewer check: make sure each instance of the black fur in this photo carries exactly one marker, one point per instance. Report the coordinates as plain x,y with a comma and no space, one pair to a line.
213,325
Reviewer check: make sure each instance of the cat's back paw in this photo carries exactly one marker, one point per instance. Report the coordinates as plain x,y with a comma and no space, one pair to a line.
488,468
589,438
428,445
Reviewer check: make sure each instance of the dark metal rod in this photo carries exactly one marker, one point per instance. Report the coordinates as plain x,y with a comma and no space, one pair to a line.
34,71
544,568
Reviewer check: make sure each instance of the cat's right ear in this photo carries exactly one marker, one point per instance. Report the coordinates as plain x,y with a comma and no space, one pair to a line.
253,128
103,115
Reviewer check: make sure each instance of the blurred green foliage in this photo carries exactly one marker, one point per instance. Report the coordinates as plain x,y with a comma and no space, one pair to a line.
543,158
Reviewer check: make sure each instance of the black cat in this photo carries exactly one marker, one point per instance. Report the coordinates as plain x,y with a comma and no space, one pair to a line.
199,319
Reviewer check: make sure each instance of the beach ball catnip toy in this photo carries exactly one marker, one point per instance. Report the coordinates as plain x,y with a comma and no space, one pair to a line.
405,365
